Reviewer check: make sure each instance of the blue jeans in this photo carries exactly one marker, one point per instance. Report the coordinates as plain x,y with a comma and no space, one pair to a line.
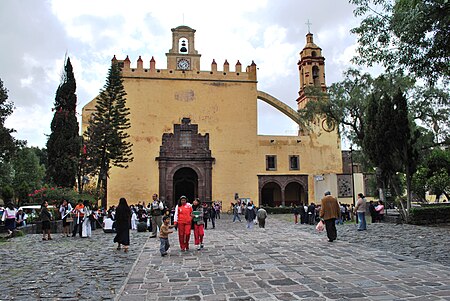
164,245
362,221
236,215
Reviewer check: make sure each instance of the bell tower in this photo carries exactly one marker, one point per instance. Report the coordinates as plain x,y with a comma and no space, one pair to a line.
182,55
311,69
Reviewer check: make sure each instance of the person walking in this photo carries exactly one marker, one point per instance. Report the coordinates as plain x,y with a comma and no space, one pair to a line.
65,211
45,217
198,223
164,235
380,210
360,211
9,217
123,224
373,212
311,213
156,211
261,215
236,213
329,212
183,221
86,230
250,215
78,212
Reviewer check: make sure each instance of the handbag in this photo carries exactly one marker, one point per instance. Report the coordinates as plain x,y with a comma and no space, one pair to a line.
320,226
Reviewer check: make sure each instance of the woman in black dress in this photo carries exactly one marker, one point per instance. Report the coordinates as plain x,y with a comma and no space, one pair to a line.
123,223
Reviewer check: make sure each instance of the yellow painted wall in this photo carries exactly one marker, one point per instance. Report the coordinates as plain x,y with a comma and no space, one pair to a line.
223,104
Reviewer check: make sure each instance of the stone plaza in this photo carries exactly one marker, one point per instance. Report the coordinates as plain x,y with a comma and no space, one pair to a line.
284,261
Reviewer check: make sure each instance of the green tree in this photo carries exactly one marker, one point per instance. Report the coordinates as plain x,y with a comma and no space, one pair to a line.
106,135
433,174
405,35
8,145
28,173
64,142
391,141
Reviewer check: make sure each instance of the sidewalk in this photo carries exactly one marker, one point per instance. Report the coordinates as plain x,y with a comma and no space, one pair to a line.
281,262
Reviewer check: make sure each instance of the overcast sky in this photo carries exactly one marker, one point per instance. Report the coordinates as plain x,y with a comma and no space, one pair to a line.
36,35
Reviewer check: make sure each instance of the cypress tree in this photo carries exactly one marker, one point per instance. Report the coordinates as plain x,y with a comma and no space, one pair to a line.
63,145
106,137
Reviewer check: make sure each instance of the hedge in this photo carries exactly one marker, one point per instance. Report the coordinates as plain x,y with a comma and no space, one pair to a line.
430,215
278,210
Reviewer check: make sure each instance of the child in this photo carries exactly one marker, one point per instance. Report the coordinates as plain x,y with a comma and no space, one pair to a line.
164,235
198,221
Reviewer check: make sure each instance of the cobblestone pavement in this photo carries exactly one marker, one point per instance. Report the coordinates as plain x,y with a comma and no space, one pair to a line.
422,242
65,268
282,262
289,262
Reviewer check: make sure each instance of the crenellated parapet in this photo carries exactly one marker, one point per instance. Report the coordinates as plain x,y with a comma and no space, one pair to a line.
225,73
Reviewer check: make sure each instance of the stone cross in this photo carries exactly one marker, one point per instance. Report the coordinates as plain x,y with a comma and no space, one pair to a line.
309,26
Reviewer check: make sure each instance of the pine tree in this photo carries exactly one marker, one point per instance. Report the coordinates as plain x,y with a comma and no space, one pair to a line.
64,143
106,137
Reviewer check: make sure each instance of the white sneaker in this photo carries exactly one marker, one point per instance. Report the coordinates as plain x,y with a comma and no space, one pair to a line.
199,247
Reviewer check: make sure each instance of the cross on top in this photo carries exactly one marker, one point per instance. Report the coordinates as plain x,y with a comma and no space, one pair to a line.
309,26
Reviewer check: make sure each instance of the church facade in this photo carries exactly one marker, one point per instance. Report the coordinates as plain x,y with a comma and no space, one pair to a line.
194,133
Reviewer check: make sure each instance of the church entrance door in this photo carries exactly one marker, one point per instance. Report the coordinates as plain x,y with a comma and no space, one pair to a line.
185,164
185,182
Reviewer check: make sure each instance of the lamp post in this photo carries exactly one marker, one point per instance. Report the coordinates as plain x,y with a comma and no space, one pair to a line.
353,181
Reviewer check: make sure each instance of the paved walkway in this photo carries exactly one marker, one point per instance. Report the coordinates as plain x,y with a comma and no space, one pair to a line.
282,262
286,262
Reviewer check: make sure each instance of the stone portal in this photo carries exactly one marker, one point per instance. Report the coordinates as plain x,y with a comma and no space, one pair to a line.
185,164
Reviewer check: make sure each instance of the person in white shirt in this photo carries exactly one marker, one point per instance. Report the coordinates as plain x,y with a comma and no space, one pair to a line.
108,224
9,217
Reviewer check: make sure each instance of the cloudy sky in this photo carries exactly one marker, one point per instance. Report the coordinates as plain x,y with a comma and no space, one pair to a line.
36,35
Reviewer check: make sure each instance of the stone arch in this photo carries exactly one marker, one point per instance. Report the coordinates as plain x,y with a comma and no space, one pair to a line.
271,195
294,193
283,181
281,106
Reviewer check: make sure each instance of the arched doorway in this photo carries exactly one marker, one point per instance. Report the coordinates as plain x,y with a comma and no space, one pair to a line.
185,164
185,182
271,195
294,194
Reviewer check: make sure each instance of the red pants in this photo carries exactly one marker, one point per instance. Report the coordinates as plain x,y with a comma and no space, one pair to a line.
199,232
184,233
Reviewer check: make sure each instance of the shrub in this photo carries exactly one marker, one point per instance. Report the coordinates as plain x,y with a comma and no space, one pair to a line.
278,210
55,196
430,214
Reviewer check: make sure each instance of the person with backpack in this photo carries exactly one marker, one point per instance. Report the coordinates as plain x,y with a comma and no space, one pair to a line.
250,215
156,211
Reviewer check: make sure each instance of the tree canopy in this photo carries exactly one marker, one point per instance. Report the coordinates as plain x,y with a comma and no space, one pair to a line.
405,35
106,138
64,143
8,144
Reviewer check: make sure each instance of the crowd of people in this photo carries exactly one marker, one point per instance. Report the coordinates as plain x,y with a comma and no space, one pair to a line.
185,217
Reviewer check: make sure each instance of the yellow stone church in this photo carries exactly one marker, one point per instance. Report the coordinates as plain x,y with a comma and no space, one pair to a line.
194,133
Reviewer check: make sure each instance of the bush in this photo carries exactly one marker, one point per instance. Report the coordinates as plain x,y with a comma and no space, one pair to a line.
430,215
55,196
278,210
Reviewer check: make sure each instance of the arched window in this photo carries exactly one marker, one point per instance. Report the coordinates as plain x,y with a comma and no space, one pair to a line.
313,54
315,73
183,45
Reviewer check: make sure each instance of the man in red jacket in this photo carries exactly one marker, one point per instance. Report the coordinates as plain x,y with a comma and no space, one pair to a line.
183,220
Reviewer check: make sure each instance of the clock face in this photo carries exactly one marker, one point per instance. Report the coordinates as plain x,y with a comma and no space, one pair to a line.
183,64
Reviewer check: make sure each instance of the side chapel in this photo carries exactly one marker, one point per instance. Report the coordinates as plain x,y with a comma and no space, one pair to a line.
194,133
